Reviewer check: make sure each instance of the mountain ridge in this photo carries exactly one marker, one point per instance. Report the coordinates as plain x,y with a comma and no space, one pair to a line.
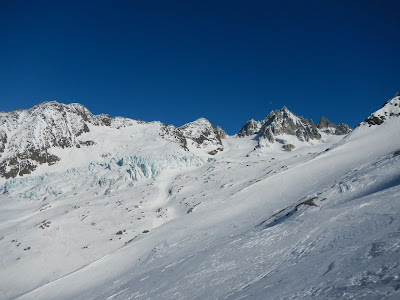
136,214
51,125
28,137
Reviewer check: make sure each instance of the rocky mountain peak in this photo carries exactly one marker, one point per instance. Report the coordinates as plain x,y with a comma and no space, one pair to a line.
26,135
53,109
251,127
284,122
326,126
204,134
325,123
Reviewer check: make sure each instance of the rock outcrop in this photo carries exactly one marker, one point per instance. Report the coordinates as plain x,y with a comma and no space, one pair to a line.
204,135
326,126
285,123
27,135
389,110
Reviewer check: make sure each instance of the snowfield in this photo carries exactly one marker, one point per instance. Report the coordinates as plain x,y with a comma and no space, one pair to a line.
136,216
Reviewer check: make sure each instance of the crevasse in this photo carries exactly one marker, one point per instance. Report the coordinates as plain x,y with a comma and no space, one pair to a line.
98,174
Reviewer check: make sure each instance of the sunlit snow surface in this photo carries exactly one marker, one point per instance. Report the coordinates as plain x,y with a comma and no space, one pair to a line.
319,222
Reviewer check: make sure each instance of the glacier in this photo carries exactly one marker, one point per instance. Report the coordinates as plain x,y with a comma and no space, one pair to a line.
141,216
127,168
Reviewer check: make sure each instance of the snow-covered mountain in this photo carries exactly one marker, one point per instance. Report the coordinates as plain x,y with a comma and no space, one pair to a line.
29,138
204,135
124,209
287,129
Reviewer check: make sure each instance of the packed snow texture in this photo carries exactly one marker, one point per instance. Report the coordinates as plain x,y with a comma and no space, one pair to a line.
149,220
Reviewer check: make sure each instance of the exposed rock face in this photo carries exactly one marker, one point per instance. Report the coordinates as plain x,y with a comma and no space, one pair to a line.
342,129
288,147
201,132
204,134
389,110
173,134
251,127
281,122
284,122
326,126
222,133
27,135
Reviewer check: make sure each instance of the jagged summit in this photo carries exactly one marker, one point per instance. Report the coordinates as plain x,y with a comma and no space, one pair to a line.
328,127
284,122
389,110
325,123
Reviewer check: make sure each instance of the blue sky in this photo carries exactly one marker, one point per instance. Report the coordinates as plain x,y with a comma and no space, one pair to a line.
227,61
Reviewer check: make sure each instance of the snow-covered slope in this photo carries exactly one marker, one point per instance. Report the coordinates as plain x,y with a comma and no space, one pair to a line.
139,216
389,110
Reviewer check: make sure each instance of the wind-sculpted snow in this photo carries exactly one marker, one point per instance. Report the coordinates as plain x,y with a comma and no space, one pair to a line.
105,174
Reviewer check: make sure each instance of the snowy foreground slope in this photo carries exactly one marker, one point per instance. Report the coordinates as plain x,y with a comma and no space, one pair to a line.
246,223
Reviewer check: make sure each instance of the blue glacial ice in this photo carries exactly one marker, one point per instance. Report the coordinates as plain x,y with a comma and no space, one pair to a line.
103,174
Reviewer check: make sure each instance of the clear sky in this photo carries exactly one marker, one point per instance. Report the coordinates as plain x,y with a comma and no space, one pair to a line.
227,61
